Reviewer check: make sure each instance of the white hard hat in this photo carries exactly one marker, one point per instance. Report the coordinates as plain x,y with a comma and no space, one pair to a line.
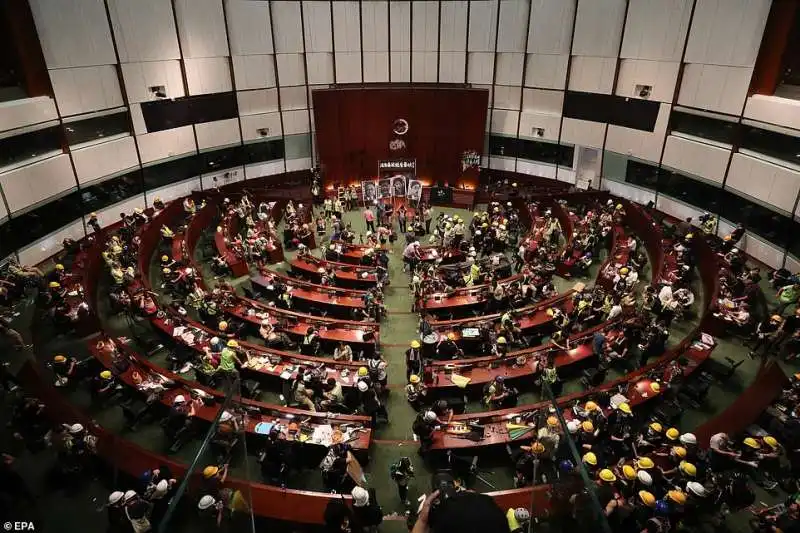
522,514
206,502
75,428
115,497
644,478
178,399
214,340
688,438
161,489
129,495
360,496
573,425
362,386
429,416
693,487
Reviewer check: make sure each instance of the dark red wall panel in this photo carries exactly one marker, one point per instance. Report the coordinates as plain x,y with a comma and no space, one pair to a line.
354,129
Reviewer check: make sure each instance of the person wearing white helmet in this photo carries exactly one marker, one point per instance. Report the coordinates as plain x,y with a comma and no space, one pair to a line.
696,489
137,511
368,513
517,519
116,511
688,439
423,428
644,478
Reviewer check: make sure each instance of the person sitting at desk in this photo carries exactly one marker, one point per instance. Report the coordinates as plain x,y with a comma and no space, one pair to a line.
311,343
343,353
497,395
103,386
447,348
333,397
302,393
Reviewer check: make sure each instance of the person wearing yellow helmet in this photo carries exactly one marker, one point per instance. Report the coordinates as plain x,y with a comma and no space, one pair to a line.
769,461
672,434
589,458
414,363
447,348
64,368
416,392
645,463
102,386
606,476
228,358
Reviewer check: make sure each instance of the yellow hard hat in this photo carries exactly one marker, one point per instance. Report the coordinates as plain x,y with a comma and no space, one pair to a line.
590,459
771,441
105,374
776,318
54,285
645,463
550,312
59,266
413,378
655,387
59,358
552,421
587,426
688,468
647,498
607,475
233,344
677,496
362,371
451,336
727,238
673,434
624,270
590,406
210,471
625,408
222,325
537,447
629,472
501,340
689,236
680,451
752,443
166,270
655,426
415,344
619,206
165,258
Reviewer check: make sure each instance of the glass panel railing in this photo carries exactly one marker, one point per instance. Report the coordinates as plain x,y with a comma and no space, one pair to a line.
576,500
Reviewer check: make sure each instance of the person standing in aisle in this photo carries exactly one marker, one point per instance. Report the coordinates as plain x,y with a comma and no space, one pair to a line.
369,218
401,472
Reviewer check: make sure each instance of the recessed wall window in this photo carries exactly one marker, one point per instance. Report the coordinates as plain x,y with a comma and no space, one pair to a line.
772,144
771,225
171,172
689,190
642,174
111,191
91,129
18,148
551,153
221,159
264,151
712,129
44,220
503,146
298,146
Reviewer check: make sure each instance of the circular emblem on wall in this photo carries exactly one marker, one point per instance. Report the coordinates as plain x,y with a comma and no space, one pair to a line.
400,126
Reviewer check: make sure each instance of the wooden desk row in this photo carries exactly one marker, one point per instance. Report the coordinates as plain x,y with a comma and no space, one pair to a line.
638,391
351,276
260,417
354,254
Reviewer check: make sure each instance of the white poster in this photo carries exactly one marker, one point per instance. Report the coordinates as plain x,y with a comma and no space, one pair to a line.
414,190
369,191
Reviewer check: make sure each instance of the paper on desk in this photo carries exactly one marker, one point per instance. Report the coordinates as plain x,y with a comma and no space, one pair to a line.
459,381
286,374
177,332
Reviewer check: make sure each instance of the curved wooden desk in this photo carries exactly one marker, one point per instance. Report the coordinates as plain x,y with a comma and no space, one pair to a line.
291,505
344,275
257,412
